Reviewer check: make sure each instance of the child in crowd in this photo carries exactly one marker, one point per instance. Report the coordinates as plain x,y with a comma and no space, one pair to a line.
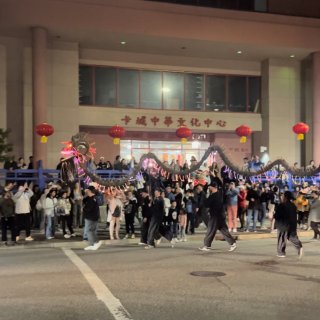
173,219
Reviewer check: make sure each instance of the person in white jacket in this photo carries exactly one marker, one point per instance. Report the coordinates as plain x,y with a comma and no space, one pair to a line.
22,210
49,207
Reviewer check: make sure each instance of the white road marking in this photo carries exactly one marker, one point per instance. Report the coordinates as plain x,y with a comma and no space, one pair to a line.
101,290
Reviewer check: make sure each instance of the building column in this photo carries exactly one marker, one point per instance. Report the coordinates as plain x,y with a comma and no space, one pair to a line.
39,89
280,109
316,107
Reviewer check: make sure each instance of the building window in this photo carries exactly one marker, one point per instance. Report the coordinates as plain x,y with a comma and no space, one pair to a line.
254,94
172,90
105,86
194,90
216,93
128,88
86,85
151,93
237,94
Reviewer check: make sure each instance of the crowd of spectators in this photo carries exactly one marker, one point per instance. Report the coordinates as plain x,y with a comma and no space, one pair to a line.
59,209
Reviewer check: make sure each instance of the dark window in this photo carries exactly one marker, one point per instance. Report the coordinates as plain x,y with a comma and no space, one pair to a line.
105,84
128,88
194,87
216,93
172,90
85,85
237,94
254,94
151,84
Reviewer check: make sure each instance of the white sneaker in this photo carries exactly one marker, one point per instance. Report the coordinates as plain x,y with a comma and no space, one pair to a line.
173,242
233,247
73,235
67,236
184,239
90,248
230,230
234,230
50,238
133,236
149,247
97,245
126,236
281,255
204,248
158,241
29,238
300,253
142,244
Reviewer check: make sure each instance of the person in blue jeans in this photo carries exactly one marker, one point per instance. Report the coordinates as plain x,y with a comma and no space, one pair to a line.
91,217
253,207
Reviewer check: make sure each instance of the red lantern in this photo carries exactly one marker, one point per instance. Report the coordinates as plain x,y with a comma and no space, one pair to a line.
300,129
117,132
184,133
44,130
243,132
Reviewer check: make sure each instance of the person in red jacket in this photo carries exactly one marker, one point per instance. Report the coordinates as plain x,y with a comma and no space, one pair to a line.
242,205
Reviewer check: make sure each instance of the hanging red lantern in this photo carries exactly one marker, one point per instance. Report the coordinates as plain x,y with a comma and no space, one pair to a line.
243,132
183,133
44,130
300,129
117,132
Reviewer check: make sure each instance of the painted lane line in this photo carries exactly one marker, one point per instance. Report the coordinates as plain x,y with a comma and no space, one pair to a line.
101,290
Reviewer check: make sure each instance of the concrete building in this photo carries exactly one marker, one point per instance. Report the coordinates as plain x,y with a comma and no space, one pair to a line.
153,65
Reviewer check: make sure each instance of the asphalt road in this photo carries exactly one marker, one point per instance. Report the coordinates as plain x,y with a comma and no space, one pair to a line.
124,281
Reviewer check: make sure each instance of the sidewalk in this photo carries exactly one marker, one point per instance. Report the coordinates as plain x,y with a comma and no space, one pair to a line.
78,243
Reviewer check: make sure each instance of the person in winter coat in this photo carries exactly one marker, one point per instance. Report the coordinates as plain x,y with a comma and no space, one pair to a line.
49,207
130,209
232,206
7,217
217,219
23,219
253,207
286,220
91,215
64,206
314,216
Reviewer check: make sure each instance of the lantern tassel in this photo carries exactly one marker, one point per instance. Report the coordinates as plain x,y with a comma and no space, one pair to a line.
183,140
43,139
116,140
243,139
300,136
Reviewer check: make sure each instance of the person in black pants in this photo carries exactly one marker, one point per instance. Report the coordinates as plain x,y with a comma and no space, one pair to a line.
7,217
286,220
217,219
130,209
146,216
156,219
201,212
190,207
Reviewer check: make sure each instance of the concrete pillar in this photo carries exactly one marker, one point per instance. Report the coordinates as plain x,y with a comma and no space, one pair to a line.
280,109
39,89
3,91
316,107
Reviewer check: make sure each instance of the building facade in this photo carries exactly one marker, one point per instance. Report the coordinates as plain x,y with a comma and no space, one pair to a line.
152,66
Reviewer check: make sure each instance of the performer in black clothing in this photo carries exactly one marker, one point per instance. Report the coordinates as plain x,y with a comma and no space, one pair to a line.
217,220
156,219
286,220
201,212
146,217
